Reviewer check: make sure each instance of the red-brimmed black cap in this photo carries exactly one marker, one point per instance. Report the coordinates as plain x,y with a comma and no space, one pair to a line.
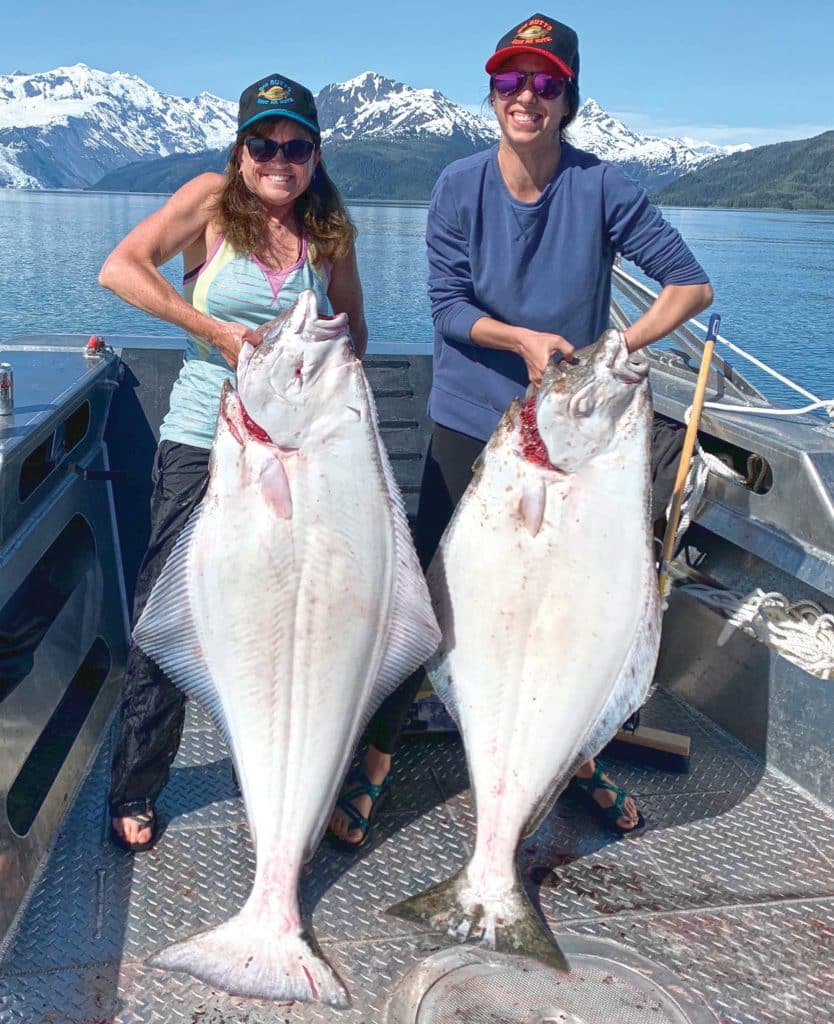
542,35
278,96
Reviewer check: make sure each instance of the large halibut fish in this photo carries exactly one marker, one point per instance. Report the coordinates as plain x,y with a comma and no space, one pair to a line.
291,606
545,590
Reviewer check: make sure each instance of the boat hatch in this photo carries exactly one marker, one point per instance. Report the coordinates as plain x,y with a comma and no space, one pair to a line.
607,984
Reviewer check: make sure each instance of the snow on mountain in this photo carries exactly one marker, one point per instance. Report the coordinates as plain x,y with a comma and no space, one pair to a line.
67,127
710,149
377,107
651,160
373,106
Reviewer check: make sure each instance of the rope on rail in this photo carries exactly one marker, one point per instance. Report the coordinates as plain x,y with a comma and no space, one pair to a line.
816,403
802,632
822,403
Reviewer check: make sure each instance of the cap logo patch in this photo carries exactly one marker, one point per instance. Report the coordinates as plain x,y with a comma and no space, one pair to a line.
273,94
534,31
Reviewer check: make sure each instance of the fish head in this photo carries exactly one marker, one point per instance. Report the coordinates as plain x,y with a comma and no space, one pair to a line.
585,404
297,370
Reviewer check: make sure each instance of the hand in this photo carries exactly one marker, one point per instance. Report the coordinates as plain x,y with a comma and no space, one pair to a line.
536,349
228,338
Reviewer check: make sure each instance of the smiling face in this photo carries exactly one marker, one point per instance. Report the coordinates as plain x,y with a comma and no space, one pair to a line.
277,182
525,118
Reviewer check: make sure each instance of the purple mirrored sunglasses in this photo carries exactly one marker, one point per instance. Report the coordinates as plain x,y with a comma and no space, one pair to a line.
508,83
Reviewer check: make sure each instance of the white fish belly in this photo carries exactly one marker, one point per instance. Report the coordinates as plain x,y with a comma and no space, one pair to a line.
537,628
291,624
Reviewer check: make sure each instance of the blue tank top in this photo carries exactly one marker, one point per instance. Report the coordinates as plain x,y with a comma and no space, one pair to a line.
235,287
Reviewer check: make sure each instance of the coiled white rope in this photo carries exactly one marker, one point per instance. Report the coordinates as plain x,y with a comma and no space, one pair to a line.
802,632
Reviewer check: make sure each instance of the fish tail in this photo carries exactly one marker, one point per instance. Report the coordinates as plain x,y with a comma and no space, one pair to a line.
509,925
244,958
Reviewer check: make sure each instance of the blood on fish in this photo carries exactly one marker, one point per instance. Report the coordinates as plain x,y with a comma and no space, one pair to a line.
531,440
252,426
313,988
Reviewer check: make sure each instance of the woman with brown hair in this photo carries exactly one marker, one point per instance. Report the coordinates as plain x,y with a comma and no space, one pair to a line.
251,240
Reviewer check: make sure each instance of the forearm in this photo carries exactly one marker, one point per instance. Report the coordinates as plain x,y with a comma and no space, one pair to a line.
675,304
144,287
536,348
493,333
359,335
345,294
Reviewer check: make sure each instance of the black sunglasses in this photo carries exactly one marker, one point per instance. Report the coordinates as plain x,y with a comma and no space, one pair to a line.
296,151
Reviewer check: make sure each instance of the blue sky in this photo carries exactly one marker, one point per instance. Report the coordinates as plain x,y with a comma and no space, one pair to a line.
715,70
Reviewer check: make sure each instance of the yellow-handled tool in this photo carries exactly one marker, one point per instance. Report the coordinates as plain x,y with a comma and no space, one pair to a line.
670,749
686,452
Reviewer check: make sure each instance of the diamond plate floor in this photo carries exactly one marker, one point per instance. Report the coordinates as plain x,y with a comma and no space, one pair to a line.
731,888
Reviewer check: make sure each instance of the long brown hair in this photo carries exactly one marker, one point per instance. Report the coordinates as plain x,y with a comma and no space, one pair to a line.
320,211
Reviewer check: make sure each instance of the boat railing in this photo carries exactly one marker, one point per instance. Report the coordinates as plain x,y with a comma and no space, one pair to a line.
684,338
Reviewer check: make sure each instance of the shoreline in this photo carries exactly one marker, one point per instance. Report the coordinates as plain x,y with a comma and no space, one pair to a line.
357,201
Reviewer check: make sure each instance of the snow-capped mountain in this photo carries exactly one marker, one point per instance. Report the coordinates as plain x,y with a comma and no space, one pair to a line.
710,149
374,106
69,127
651,160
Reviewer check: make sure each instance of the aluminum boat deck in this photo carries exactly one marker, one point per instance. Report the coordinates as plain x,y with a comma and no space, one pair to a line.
731,888
725,904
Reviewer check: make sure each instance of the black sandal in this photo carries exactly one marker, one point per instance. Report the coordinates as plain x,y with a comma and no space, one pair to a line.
144,819
609,815
358,784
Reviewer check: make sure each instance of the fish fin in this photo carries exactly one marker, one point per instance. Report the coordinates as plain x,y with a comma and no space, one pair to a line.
545,805
275,487
167,634
245,957
634,679
452,908
532,504
413,633
441,682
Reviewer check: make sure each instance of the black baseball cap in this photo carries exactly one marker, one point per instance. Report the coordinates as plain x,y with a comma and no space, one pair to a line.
542,35
277,96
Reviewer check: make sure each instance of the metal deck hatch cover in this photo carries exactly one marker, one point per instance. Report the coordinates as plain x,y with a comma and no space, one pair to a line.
607,984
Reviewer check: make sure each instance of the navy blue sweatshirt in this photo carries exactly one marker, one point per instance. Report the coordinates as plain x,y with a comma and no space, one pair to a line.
544,265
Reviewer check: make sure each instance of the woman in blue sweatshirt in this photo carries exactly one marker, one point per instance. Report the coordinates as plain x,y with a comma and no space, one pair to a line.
521,241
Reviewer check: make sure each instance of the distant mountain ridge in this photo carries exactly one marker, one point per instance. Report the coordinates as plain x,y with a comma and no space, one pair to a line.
372,106
787,175
77,127
646,158
67,127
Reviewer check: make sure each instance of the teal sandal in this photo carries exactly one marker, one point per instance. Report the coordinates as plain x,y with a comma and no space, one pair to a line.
358,784
608,815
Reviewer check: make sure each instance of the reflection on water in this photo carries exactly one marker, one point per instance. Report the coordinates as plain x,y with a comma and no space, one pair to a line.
773,274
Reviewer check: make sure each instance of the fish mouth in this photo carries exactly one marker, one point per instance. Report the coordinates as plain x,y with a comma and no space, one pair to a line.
633,370
302,319
313,326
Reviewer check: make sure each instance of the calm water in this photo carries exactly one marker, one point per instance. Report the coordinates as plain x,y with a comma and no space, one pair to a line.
773,274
